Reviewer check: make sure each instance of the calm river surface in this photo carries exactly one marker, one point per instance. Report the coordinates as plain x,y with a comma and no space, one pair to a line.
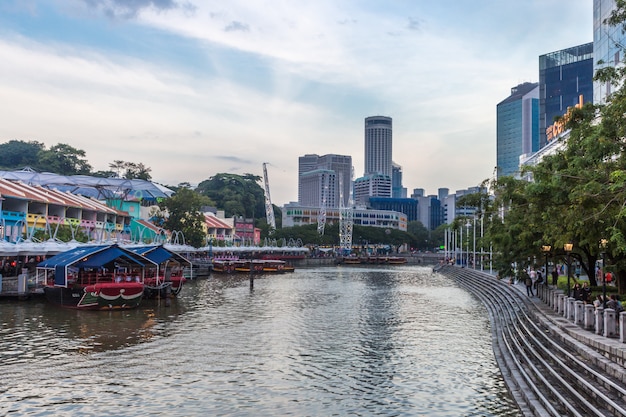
379,341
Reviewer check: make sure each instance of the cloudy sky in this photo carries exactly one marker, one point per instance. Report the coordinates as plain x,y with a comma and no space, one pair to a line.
192,88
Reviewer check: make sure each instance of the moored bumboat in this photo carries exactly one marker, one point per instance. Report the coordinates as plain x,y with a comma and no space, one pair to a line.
98,277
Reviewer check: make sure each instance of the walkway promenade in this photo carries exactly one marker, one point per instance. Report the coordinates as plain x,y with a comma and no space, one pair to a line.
553,352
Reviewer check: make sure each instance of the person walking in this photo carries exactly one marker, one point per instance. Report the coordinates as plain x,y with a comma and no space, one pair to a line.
555,276
529,283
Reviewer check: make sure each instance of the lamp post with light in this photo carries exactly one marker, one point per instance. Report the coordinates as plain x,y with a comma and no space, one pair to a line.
603,244
467,226
546,249
568,248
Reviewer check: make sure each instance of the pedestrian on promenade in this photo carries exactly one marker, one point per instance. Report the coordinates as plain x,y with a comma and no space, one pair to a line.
555,276
586,293
529,283
598,302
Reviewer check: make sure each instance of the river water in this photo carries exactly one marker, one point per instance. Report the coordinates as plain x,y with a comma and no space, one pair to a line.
362,341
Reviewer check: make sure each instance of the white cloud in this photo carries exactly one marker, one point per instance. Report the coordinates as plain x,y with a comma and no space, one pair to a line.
282,79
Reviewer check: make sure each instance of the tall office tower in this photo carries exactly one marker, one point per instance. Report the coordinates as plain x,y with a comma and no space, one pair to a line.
318,172
397,190
564,76
608,44
319,188
517,131
378,140
442,193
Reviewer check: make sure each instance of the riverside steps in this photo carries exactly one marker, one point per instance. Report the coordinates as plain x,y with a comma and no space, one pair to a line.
558,358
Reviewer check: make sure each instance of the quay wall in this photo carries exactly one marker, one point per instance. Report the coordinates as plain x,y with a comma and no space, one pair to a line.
429,259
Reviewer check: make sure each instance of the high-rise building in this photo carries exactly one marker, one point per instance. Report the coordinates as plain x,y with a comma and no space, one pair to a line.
319,177
397,190
378,145
564,76
517,127
608,44
373,185
377,179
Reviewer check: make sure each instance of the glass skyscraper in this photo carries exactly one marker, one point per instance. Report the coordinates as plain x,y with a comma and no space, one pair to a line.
608,44
517,127
564,76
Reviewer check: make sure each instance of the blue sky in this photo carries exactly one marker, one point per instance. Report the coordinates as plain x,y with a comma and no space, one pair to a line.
192,88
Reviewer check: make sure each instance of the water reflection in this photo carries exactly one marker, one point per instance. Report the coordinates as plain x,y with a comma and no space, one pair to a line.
329,341
33,323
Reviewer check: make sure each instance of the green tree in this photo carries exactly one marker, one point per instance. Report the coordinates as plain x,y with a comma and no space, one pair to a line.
181,213
63,159
16,154
420,235
237,195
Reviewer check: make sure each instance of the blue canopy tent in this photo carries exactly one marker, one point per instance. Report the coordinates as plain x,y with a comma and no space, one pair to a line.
91,257
160,255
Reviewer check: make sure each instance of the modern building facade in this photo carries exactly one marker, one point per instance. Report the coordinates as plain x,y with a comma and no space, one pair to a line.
517,131
397,190
374,185
408,206
297,215
608,44
378,145
319,178
564,77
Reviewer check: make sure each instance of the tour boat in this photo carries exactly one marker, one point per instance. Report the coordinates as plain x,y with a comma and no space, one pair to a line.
94,278
167,279
223,266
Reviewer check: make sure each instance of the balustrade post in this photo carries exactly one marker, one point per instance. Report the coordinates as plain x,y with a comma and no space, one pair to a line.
599,320
610,323
589,316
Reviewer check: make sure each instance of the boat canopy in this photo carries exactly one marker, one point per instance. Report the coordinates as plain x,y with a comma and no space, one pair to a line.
158,254
91,257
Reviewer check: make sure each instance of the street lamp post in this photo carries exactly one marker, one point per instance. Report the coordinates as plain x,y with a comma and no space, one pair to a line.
546,249
603,243
467,226
568,248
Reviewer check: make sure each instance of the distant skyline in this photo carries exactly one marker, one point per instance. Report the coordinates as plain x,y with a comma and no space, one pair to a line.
192,88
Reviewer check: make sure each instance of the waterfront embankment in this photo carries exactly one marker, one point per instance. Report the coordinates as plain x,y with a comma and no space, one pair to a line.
555,357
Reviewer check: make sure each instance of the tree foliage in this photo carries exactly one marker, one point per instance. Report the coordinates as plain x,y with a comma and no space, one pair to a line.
63,159
237,195
181,213
17,154
577,195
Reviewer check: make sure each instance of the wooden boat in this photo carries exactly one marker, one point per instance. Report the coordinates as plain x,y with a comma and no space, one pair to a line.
262,266
223,266
396,260
90,278
167,279
98,296
163,286
378,260
351,260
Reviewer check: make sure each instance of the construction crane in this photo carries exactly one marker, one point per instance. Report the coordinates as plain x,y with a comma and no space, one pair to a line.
269,208
346,221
